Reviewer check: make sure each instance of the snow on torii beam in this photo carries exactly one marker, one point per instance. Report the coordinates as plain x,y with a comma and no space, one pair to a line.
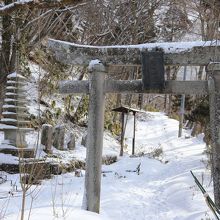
175,53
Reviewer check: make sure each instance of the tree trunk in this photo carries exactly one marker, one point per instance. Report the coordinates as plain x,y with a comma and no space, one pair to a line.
23,203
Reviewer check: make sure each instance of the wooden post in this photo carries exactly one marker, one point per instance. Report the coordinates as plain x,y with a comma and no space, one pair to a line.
133,141
91,200
182,107
214,100
122,134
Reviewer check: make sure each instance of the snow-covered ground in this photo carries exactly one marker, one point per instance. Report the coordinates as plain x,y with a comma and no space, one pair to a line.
164,188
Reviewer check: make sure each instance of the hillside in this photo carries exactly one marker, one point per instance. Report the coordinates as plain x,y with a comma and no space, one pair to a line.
163,189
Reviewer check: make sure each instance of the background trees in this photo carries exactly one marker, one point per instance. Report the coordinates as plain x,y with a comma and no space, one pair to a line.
25,25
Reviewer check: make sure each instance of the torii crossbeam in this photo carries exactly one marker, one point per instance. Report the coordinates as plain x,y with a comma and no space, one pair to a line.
177,53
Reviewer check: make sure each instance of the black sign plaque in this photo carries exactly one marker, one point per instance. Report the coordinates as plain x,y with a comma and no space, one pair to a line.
153,78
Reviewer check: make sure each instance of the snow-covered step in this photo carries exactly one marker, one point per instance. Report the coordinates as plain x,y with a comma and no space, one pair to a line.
14,89
4,127
14,122
14,108
14,115
10,120
17,107
15,83
13,95
15,101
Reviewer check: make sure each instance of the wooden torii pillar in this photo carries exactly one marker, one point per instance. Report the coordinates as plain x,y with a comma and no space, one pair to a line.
213,70
181,54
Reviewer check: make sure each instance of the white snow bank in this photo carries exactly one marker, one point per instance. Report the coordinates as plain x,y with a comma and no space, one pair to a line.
47,214
7,158
163,189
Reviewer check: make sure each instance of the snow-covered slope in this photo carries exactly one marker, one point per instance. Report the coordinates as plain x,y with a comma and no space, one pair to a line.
163,189
43,214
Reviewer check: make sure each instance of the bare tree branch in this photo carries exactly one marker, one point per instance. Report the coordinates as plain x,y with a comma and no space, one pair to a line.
36,4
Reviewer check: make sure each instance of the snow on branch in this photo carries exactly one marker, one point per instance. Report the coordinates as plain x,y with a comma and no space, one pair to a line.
4,10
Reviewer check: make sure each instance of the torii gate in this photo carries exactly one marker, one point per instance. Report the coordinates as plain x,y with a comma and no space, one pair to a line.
181,54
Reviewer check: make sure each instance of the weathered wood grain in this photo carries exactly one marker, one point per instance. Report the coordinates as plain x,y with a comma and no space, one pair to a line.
94,143
183,54
135,86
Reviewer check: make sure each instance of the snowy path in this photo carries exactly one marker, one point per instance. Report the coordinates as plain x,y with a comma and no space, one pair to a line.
162,190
